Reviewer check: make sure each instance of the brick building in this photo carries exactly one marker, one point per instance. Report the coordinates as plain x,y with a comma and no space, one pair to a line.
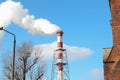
112,55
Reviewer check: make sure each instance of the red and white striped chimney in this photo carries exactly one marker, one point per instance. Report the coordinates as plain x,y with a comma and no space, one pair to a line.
60,55
59,39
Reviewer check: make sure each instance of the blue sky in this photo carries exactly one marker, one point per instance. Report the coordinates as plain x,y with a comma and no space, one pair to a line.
86,24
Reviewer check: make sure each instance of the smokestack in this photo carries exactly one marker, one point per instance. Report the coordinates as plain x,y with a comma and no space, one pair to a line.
60,55
60,60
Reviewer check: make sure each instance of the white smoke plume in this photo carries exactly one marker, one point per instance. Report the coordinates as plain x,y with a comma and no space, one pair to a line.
11,11
74,52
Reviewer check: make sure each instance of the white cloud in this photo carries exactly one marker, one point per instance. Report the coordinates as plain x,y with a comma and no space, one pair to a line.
96,73
73,52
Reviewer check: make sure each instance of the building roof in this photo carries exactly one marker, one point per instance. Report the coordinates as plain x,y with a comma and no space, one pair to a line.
106,53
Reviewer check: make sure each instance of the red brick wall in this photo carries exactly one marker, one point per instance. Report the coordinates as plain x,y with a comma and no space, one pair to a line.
112,70
115,22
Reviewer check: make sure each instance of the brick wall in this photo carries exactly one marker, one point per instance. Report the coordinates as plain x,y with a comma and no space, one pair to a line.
112,61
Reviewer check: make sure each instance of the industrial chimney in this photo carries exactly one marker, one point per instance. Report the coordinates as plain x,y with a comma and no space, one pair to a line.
60,63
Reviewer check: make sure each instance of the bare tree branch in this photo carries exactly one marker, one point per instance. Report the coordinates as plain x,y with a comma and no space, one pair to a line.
27,66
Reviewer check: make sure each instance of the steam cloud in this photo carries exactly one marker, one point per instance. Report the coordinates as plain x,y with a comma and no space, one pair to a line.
11,11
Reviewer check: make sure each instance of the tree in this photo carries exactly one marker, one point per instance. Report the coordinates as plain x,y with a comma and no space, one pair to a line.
28,65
